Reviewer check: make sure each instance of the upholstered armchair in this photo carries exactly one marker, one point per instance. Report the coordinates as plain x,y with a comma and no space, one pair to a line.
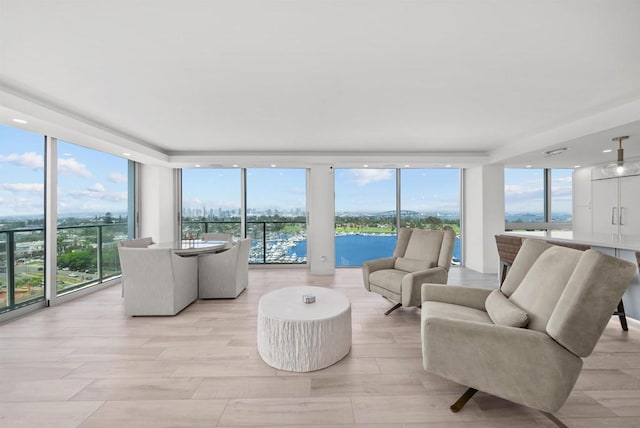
158,282
217,236
420,256
134,243
224,275
524,343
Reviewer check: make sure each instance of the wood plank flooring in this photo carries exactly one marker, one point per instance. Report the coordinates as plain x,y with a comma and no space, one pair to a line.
85,364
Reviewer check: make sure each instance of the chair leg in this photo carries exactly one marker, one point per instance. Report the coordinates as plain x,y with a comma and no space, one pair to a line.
458,405
554,419
393,308
622,315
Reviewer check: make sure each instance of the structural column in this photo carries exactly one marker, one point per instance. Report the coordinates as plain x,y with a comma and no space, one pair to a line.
321,253
483,216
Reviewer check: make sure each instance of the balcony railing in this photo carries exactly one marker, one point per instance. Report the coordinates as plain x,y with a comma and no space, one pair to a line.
86,255
272,242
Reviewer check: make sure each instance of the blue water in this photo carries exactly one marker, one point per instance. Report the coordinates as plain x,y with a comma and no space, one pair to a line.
353,250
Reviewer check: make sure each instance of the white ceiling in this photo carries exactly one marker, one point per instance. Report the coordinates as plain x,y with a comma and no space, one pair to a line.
441,80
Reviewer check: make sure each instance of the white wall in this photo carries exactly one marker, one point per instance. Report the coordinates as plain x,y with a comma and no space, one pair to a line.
157,207
321,252
483,216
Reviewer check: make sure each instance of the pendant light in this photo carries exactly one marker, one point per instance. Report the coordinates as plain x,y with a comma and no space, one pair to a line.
621,168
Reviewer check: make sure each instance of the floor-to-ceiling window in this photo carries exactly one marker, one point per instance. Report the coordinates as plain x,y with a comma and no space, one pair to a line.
365,219
274,214
92,215
21,217
367,215
430,199
211,201
276,218
538,201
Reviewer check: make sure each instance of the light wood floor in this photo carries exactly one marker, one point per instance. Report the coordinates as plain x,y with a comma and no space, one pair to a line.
85,364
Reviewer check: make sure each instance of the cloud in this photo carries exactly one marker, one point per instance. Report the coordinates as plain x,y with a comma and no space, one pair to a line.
118,178
71,166
28,160
96,188
362,177
24,187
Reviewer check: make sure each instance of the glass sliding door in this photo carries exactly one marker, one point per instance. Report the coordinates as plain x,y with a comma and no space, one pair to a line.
276,218
430,199
365,219
92,215
22,208
211,201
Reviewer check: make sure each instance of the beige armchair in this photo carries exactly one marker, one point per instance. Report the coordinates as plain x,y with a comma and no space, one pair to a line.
158,282
524,343
420,256
224,275
134,243
216,236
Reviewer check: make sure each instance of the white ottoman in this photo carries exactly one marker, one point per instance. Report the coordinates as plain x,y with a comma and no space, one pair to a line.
302,337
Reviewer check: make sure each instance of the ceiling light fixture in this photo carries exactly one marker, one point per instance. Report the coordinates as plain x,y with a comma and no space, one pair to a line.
447,166
555,152
527,166
235,166
20,121
576,166
620,167
366,166
197,165
607,150
126,154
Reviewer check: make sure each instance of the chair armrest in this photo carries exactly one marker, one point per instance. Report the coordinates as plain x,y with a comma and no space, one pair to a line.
509,362
412,283
471,297
374,265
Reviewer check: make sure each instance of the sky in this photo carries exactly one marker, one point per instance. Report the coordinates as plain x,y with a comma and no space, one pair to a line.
524,190
89,181
92,182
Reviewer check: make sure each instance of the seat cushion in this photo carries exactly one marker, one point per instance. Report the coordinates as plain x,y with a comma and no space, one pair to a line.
451,311
412,265
502,311
390,279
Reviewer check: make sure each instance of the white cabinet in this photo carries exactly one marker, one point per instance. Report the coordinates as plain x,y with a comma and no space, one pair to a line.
629,218
615,209
581,183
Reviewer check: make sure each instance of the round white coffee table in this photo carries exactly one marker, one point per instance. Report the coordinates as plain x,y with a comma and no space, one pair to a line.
302,337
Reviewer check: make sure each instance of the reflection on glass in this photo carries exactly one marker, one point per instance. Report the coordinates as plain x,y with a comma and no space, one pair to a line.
365,214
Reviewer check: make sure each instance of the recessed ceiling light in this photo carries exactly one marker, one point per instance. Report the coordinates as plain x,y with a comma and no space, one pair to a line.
273,165
447,166
197,165
527,166
576,166
366,166
407,166
607,151
235,166
126,154
21,121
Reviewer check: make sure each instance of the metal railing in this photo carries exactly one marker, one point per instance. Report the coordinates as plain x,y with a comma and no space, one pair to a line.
272,242
87,254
